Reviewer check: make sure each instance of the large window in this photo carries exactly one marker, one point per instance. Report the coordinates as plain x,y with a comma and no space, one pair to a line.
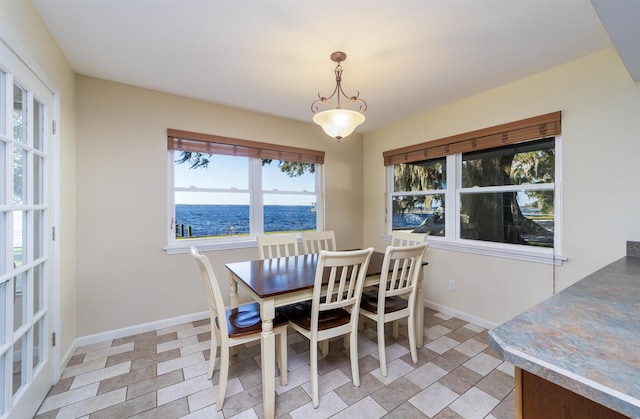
226,191
493,188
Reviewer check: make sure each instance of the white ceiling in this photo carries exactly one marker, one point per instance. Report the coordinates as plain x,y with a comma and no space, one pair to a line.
405,57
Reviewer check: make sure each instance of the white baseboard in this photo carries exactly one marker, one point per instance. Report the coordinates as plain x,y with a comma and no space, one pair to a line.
140,328
461,315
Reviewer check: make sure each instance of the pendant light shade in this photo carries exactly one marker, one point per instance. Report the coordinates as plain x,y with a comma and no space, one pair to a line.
338,122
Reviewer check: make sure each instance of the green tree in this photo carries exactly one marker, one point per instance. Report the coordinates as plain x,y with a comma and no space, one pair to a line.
291,168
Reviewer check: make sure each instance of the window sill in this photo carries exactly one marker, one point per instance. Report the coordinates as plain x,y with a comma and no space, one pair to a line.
207,245
523,253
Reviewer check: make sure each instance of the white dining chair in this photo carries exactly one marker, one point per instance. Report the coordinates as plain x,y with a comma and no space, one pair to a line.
234,327
315,241
277,245
394,298
407,238
334,306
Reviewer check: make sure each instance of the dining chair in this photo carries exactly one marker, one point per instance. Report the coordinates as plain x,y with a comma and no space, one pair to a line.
333,310
315,241
277,245
395,295
239,326
407,238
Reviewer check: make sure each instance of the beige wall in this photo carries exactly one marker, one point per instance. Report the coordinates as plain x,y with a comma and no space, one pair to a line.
124,276
21,26
600,107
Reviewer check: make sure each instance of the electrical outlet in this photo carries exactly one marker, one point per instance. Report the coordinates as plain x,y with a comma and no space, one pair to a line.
452,285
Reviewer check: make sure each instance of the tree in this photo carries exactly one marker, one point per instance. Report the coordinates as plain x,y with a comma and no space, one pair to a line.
291,168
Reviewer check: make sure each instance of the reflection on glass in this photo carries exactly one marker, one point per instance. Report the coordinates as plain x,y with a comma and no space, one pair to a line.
38,125
525,217
37,343
518,164
38,180
19,300
19,114
3,360
3,169
3,243
3,126
20,351
3,310
38,288
420,176
38,231
419,213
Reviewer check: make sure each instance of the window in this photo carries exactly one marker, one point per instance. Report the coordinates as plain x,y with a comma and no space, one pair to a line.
226,191
498,185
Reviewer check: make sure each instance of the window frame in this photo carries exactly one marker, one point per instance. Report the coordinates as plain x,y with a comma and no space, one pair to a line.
451,240
256,199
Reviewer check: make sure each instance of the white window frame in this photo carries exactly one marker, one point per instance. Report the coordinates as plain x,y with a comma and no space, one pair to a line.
452,241
256,194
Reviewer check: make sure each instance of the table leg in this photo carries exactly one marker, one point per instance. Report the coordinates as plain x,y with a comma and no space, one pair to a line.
420,314
268,352
233,303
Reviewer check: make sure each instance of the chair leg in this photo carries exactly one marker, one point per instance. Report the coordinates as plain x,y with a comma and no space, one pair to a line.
324,347
313,353
396,329
355,372
382,353
212,355
282,357
224,375
411,325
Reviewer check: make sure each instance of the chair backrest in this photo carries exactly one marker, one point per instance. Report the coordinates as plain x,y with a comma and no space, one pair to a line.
277,245
315,241
214,295
407,238
401,268
339,281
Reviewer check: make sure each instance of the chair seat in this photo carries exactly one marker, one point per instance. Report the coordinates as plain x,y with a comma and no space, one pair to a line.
300,314
245,320
369,302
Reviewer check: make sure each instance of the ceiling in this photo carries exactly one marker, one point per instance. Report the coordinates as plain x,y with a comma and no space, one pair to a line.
405,57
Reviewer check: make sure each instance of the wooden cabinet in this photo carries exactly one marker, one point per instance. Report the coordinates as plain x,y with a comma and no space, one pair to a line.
537,398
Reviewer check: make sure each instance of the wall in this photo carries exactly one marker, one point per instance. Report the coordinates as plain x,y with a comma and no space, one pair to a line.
124,276
22,27
600,106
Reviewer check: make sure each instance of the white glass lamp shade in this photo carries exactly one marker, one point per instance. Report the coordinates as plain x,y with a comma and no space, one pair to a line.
338,123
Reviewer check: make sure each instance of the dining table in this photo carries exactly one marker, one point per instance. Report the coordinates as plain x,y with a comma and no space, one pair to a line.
287,280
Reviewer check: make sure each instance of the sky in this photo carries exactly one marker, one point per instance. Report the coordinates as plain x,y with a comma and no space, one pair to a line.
232,172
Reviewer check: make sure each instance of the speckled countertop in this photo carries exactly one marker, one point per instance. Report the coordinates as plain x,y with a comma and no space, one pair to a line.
586,338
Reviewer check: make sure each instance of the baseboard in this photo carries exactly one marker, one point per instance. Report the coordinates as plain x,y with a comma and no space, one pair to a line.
460,314
139,328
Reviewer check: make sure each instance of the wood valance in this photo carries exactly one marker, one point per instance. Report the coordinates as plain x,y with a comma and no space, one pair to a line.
510,133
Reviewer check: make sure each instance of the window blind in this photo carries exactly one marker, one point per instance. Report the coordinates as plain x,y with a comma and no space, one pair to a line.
500,135
214,144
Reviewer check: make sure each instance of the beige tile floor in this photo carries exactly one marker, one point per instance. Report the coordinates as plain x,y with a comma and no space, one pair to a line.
162,374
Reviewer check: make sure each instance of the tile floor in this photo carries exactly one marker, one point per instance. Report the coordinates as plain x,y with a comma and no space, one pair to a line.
162,374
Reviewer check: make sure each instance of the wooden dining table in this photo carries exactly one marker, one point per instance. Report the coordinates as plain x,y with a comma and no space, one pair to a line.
281,281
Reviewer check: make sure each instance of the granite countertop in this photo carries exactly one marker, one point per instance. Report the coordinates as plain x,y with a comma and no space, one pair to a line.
586,338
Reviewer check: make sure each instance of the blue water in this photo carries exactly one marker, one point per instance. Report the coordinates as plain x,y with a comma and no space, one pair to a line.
219,220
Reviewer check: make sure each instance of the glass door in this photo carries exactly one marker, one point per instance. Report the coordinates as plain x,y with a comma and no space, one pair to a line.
25,240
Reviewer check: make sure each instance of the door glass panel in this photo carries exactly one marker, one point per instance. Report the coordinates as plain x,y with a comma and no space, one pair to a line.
38,289
3,170
19,350
38,175
19,176
3,112
3,309
19,229
3,244
38,125
38,243
19,114
19,300
3,360
37,343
